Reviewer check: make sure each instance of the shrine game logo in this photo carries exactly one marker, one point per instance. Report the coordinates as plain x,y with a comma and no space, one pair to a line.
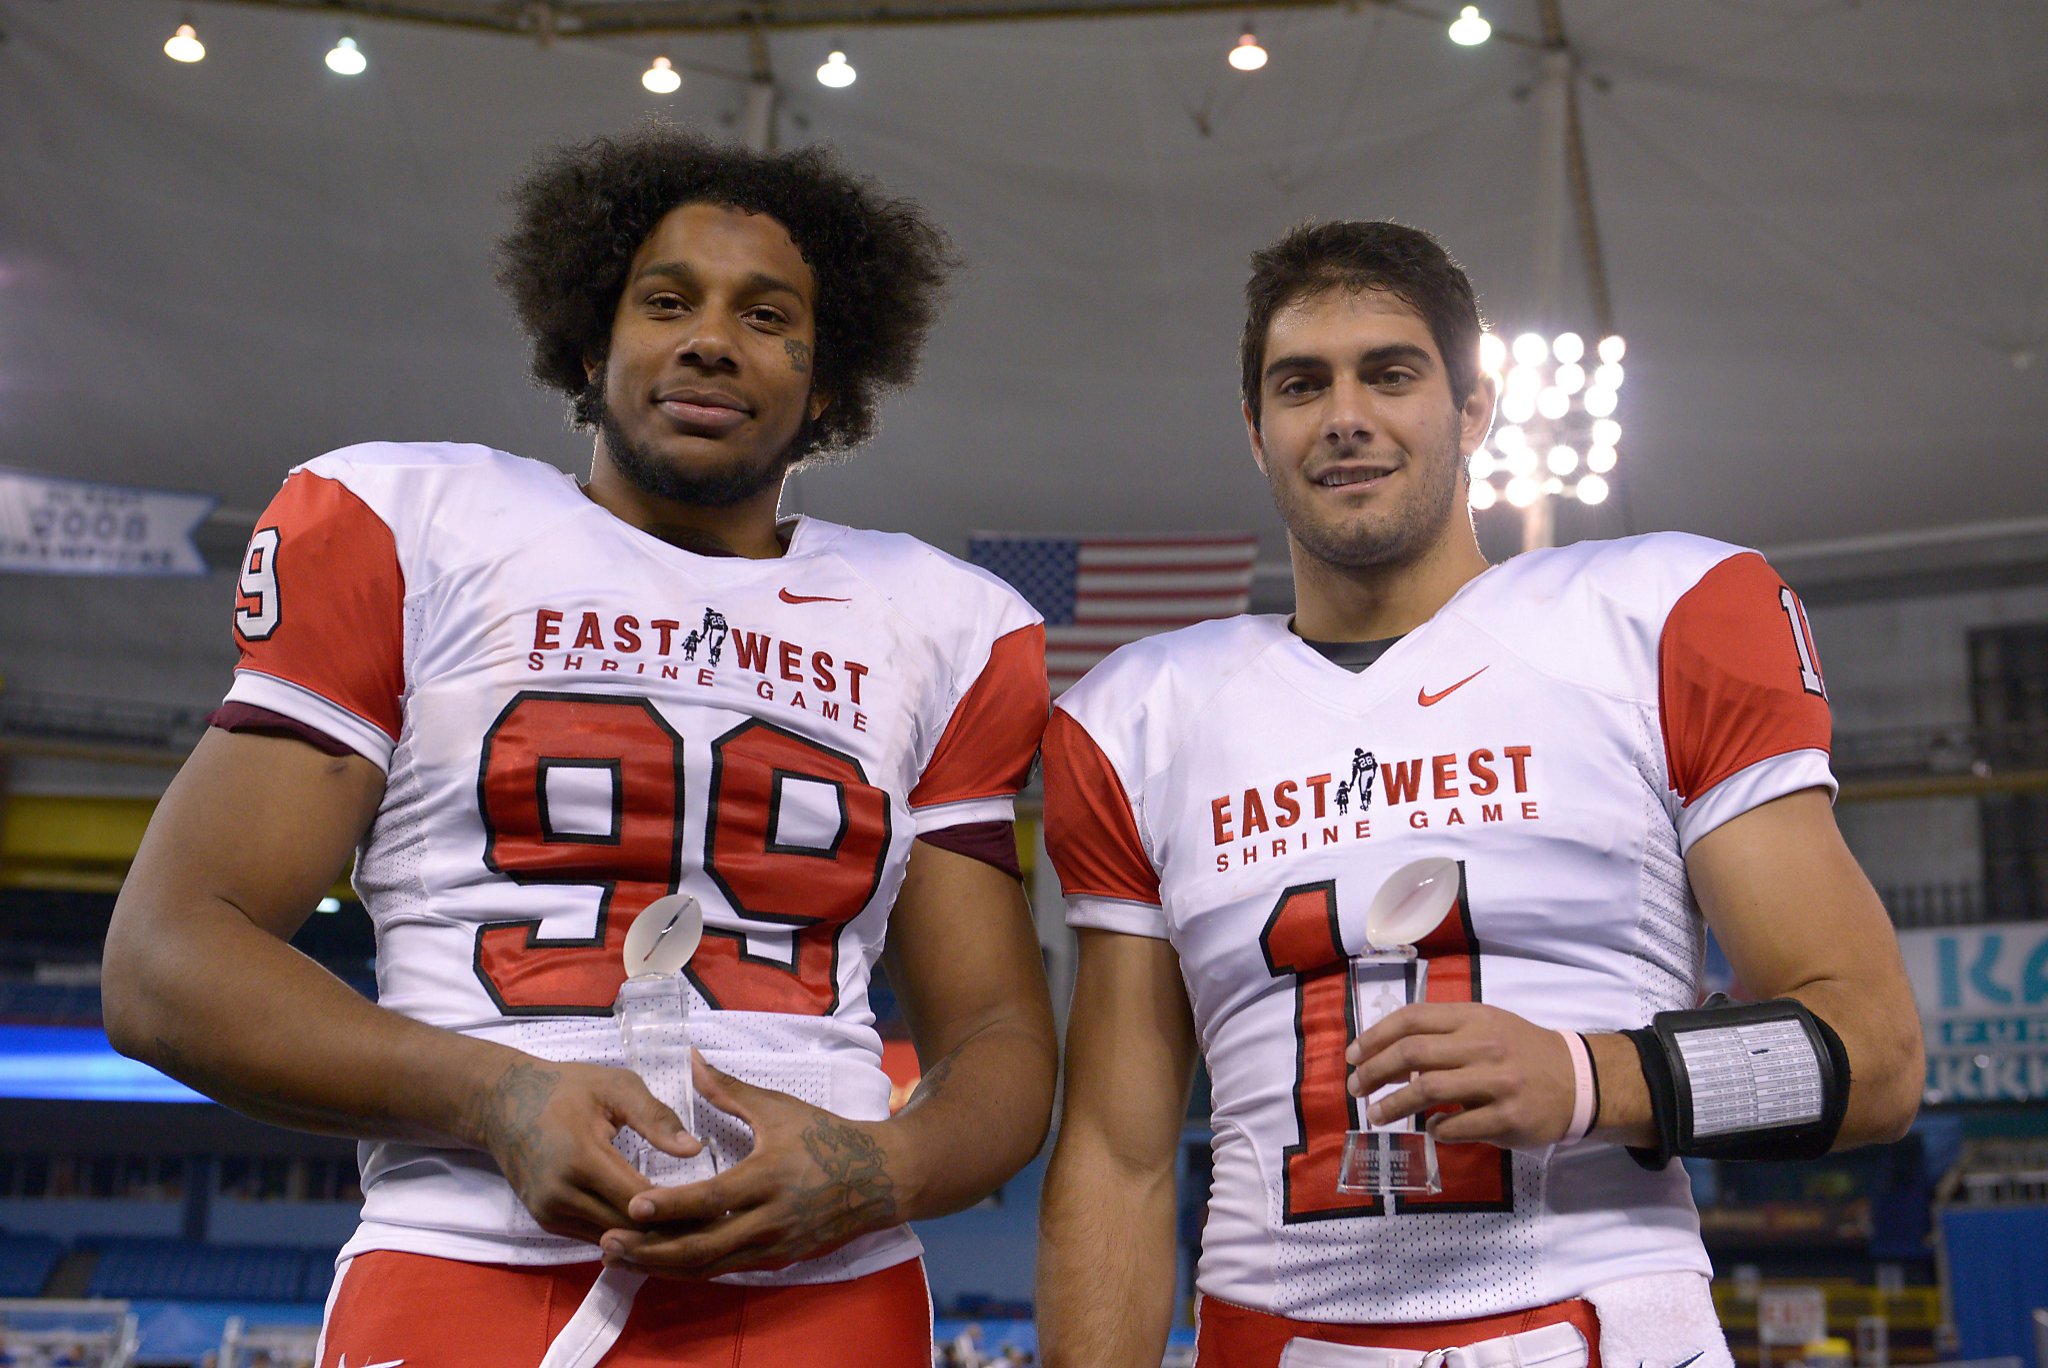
809,681
1488,786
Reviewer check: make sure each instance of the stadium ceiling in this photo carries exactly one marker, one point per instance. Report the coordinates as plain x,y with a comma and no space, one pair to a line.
1819,227
549,19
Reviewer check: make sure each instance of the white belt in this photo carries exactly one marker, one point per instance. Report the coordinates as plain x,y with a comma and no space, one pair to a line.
595,1327
1552,1346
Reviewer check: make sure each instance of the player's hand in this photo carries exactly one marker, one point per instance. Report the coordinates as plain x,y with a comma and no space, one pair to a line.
1511,1079
813,1182
550,1128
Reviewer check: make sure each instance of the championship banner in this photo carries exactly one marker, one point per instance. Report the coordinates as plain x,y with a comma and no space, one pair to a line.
50,526
1983,998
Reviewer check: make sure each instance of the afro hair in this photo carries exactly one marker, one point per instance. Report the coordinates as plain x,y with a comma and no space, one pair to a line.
583,211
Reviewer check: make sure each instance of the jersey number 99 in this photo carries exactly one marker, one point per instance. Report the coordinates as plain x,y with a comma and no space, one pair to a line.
813,890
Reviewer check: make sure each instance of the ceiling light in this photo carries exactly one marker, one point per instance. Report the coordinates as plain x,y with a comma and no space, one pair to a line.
1523,491
1468,29
1600,459
345,58
1612,349
1607,432
837,71
1592,490
1599,401
1509,437
1563,460
184,45
1518,405
1483,495
661,77
1553,403
1248,55
1571,378
1482,464
1568,347
1531,349
1520,462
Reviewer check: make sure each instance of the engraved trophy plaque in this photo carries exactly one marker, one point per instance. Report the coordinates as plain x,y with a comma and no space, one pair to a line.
653,1012
1387,975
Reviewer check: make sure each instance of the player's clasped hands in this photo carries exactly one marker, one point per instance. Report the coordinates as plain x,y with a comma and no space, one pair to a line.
812,1182
550,1125
1510,1079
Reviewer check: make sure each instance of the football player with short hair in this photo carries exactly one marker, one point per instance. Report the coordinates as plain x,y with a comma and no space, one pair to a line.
1600,751
485,681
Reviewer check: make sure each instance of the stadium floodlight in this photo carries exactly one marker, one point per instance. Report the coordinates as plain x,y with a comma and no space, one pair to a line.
837,72
1493,353
1557,433
661,77
345,58
1483,494
1470,29
1248,55
184,45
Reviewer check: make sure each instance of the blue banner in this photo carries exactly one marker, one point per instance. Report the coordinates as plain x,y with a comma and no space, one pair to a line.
50,526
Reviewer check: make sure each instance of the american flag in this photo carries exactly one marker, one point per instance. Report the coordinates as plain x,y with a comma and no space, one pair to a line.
1096,593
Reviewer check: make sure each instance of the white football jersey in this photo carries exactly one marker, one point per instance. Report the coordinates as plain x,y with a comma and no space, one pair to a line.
576,718
1565,728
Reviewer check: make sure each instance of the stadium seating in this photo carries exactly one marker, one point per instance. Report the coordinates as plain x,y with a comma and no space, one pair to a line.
186,1270
26,1262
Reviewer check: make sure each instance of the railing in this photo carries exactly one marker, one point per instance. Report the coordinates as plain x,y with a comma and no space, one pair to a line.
1953,749
60,720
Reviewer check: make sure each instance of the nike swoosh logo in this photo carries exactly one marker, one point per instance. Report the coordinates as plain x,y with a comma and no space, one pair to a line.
394,1363
1680,1364
786,597
1430,700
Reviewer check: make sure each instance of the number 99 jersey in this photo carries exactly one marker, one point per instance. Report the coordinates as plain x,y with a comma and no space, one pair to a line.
1564,728
576,718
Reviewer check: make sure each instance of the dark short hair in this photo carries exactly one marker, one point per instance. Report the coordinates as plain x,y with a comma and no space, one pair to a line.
584,210
1406,262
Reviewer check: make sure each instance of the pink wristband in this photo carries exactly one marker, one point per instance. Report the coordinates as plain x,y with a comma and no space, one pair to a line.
1582,1087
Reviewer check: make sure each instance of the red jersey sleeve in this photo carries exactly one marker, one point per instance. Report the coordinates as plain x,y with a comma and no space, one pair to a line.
1090,832
319,617
1738,678
988,745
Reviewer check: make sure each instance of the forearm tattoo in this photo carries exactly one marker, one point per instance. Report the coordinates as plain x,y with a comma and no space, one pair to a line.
511,1119
853,1193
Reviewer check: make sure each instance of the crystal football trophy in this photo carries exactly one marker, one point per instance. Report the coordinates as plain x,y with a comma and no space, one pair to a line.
653,1011
1384,977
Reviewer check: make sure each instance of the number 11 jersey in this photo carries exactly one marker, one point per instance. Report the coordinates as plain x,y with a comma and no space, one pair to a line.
576,718
1564,728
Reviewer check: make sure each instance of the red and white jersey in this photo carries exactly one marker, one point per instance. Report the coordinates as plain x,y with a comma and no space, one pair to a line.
576,718
1565,728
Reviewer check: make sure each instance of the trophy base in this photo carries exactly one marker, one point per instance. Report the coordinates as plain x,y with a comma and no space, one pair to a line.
1389,1161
